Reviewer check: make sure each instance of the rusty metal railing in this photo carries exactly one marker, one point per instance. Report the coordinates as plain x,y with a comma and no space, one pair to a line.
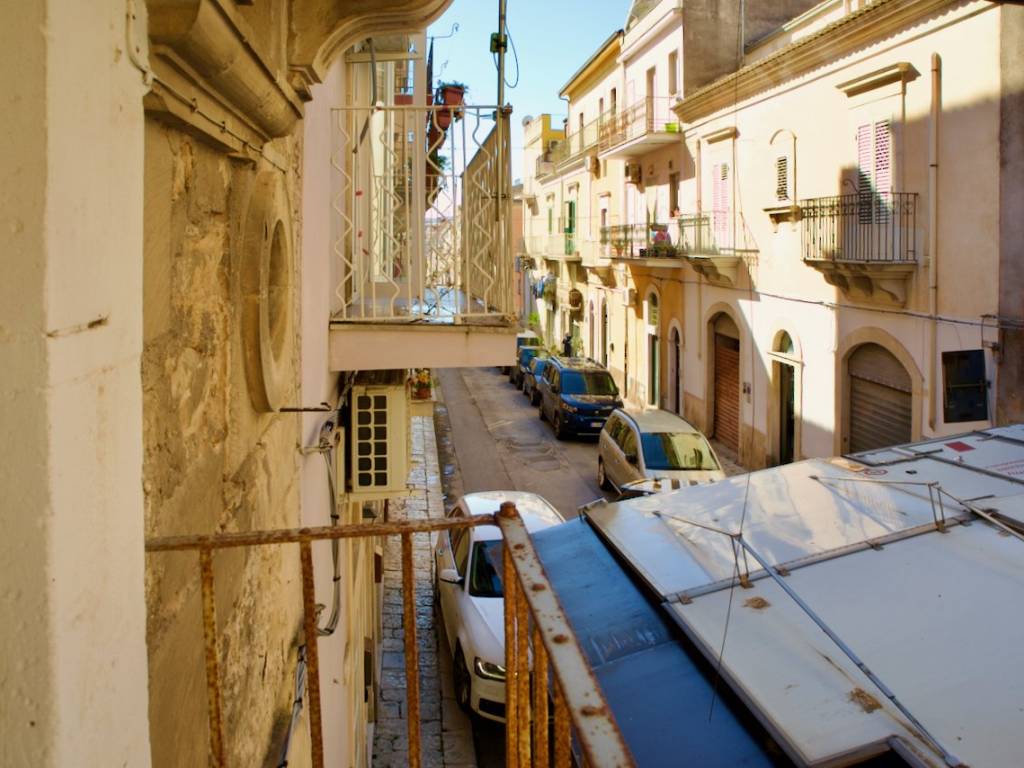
534,623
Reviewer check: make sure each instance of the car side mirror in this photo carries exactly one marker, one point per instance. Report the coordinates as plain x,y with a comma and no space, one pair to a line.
449,576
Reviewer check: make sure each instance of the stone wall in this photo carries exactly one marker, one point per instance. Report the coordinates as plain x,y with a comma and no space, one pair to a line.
213,462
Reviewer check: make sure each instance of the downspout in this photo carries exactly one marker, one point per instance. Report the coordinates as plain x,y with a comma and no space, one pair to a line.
933,236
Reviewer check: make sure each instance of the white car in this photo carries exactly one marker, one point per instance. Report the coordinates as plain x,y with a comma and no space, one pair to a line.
654,445
469,565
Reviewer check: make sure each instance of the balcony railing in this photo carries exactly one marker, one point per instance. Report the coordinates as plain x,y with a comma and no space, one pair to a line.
868,227
647,117
422,203
538,639
638,241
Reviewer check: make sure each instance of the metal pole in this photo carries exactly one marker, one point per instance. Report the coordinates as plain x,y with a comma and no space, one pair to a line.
949,758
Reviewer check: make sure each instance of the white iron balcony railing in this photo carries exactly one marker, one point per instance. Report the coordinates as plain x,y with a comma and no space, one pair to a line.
649,121
422,206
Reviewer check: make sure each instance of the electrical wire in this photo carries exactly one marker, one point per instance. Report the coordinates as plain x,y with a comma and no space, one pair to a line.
515,57
300,692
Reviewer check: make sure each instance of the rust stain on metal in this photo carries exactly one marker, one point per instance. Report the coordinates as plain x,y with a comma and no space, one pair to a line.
518,547
511,699
562,741
540,701
214,699
560,639
757,603
322,533
536,587
685,599
412,657
864,700
522,678
591,711
316,734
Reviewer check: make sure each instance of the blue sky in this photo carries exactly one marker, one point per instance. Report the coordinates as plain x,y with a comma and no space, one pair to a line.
552,39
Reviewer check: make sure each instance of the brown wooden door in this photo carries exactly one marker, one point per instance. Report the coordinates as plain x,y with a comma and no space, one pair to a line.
727,391
881,399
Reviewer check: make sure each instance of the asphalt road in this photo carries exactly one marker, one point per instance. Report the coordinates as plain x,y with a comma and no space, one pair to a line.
501,444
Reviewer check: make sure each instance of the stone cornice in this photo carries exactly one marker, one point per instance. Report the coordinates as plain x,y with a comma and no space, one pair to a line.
902,71
854,31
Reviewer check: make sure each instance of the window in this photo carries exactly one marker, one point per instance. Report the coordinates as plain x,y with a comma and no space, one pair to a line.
874,171
782,178
485,578
460,548
673,194
965,390
550,220
614,428
673,72
614,106
588,383
677,450
627,441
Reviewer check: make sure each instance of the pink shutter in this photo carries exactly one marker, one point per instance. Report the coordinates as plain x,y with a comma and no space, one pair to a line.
883,158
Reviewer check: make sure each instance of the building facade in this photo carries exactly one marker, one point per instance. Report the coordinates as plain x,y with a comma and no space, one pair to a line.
813,251
223,243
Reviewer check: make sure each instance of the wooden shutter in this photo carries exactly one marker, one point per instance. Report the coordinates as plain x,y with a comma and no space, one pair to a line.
720,201
874,171
782,178
881,400
727,391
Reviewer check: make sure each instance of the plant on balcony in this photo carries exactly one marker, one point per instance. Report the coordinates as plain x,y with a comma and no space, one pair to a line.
421,383
451,95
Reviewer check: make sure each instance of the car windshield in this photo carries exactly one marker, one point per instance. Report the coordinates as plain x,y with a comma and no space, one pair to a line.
484,578
526,354
588,383
677,450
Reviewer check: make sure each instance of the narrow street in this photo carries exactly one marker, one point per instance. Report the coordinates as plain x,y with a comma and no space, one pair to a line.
498,443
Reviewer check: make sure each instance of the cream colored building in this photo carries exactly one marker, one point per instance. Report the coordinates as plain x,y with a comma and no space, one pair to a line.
815,249
211,228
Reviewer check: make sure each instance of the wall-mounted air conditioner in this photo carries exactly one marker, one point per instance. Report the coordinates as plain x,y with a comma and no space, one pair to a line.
374,455
591,164
634,173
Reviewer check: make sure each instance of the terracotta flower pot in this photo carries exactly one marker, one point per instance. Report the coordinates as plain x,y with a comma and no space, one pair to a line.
453,95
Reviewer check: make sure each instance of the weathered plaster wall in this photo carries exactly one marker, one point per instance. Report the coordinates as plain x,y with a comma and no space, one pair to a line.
212,463
72,651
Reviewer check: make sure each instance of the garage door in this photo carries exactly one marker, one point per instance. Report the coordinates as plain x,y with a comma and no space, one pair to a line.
727,391
881,399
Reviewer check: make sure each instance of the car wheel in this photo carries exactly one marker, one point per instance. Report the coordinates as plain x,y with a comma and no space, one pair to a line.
540,411
560,431
534,397
462,682
602,478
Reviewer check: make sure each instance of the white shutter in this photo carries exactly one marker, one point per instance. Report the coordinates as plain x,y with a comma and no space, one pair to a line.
720,201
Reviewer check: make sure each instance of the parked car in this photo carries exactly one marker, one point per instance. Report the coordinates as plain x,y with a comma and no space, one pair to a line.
532,376
523,339
469,589
654,445
577,395
526,354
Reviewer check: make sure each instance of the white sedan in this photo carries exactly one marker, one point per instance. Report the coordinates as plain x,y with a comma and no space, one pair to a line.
469,565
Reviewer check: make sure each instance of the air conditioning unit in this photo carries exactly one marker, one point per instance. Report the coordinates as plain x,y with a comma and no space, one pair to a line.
591,164
634,173
373,457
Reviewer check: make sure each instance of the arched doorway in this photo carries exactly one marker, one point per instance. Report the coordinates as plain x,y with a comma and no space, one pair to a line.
880,399
726,381
604,332
653,343
784,393
675,379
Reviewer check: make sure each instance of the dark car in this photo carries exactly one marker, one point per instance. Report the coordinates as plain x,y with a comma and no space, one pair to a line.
577,395
530,378
526,354
524,339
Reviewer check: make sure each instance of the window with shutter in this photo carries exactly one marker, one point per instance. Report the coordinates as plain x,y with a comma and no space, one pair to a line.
874,171
720,200
782,178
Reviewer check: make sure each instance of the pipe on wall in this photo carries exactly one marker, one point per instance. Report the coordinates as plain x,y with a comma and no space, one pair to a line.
933,237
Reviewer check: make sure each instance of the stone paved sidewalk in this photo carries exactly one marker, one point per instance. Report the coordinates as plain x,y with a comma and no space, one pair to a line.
447,736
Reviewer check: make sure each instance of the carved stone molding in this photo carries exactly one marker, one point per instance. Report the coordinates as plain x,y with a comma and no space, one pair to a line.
721,270
872,282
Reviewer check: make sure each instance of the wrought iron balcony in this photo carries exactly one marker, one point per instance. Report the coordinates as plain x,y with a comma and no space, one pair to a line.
863,243
639,242
713,243
646,125
422,206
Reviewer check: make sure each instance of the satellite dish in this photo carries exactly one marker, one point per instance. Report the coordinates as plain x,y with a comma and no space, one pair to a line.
527,120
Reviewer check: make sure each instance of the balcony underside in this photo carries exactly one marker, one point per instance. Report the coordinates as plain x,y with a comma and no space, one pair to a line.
875,282
664,262
641,145
373,346
720,269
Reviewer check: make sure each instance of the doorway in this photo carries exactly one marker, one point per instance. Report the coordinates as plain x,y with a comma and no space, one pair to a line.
675,380
726,382
653,344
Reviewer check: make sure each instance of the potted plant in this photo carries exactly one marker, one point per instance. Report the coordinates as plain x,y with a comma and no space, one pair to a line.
449,95
421,383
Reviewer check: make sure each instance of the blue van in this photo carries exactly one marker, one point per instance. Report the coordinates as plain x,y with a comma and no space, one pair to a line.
577,396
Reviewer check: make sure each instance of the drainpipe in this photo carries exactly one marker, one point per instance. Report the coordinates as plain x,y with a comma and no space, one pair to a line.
933,236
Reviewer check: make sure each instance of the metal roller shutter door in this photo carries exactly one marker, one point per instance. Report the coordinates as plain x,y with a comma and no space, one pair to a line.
881,400
727,391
